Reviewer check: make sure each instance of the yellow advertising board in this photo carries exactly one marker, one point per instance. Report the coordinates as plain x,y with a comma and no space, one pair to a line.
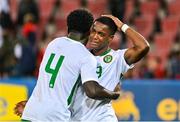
125,107
9,95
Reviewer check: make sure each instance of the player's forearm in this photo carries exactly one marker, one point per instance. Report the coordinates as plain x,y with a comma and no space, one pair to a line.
96,91
137,39
106,94
140,46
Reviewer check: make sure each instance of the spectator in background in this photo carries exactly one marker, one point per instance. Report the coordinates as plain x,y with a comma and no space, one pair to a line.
26,59
84,3
51,28
27,6
7,58
27,48
29,30
5,18
146,69
162,13
55,8
150,68
159,71
117,9
173,66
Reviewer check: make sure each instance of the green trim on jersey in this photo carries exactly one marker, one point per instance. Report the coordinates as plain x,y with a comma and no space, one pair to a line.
69,100
23,120
105,52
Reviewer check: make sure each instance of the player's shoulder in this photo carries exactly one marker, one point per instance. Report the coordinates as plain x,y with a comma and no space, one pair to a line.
120,51
72,42
63,41
119,54
55,41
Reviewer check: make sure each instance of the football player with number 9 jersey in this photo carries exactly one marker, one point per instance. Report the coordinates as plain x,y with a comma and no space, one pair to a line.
111,64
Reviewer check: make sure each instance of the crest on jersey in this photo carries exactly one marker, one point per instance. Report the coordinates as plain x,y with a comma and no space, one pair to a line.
107,58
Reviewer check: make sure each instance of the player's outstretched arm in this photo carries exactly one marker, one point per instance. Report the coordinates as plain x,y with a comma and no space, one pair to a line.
96,91
140,45
19,108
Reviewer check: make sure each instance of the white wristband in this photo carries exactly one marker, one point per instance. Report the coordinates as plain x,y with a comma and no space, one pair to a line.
124,28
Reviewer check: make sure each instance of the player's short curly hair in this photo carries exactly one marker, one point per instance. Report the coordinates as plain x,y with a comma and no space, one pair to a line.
109,22
79,20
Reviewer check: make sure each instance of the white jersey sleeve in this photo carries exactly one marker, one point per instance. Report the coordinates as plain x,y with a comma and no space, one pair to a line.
122,62
88,69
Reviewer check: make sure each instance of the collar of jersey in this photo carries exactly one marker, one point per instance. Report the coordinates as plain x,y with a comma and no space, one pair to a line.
105,52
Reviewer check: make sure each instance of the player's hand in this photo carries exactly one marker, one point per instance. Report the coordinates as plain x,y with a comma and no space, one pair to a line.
19,108
118,22
117,88
118,93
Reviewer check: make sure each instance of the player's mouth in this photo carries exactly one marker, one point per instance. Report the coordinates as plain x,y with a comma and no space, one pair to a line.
94,44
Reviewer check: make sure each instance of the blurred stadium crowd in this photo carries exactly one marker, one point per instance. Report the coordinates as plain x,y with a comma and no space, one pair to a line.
27,26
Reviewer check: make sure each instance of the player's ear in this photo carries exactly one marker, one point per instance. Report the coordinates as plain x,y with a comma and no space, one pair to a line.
111,38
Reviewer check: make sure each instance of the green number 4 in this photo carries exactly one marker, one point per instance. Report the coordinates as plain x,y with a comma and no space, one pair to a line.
54,72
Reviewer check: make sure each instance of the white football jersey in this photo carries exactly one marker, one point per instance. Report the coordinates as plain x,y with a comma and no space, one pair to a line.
64,62
111,64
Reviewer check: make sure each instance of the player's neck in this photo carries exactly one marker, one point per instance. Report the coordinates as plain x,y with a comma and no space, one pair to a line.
76,36
99,52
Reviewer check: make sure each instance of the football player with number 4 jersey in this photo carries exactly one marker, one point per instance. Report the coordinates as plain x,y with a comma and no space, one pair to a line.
111,64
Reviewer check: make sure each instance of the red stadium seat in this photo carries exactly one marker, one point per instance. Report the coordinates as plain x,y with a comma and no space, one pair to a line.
170,25
129,8
45,8
173,7
61,23
68,6
163,43
144,25
149,7
13,9
97,7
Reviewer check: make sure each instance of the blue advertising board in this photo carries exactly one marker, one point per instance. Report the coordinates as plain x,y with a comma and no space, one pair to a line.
149,100
13,91
141,100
